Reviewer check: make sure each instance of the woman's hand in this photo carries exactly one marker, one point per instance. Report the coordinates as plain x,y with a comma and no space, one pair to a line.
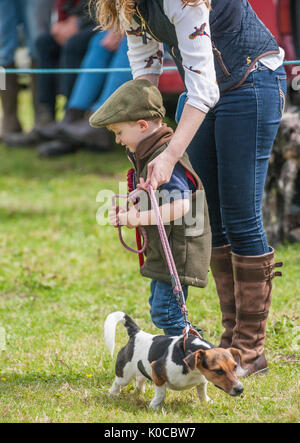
160,169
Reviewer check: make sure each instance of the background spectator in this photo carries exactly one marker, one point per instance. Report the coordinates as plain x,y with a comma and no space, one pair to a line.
63,46
106,50
35,16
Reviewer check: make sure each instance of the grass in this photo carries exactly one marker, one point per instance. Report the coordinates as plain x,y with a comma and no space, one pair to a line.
61,274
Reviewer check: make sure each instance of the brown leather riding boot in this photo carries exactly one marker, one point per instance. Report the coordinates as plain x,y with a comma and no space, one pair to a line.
253,277
221,268
9,100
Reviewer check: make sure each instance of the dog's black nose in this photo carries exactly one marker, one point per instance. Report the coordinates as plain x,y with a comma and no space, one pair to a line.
238,389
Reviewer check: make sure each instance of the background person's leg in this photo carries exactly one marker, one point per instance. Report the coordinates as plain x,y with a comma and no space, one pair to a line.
114,80
92,84
9,18
72,54
48,55
36,17
96,85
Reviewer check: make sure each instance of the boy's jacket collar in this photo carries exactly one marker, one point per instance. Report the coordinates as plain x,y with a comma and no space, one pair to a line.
150,144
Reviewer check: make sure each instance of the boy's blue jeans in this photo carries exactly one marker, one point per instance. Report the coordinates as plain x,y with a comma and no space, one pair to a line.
230,153
164,308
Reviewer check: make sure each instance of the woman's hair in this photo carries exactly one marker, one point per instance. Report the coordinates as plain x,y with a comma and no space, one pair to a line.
108,12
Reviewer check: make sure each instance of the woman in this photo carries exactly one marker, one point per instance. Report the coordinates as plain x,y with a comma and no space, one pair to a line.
228,128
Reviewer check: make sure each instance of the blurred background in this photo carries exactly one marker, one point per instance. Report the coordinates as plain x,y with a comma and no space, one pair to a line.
49,113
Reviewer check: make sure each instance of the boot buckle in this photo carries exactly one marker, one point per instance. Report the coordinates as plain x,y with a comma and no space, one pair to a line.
277,273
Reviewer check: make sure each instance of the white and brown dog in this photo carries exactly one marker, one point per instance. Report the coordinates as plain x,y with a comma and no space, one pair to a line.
170,362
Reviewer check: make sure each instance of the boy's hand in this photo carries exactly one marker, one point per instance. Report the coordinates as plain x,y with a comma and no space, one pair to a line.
130,219
114,215
142,185
120,217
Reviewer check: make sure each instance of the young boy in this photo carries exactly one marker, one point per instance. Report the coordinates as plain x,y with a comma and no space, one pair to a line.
134,113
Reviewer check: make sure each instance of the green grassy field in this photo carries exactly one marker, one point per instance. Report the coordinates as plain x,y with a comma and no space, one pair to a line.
61,274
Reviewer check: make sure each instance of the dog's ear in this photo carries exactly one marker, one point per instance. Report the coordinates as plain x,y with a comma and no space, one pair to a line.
193,359
237,355
238,358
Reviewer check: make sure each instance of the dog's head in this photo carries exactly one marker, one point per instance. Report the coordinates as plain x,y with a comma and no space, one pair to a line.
219,366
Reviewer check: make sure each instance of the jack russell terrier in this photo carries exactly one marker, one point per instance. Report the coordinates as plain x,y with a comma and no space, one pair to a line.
170,362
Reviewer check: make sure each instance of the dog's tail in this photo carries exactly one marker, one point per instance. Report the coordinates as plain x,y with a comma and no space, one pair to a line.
110,328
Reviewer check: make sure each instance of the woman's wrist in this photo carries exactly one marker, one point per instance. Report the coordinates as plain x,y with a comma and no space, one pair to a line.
174,153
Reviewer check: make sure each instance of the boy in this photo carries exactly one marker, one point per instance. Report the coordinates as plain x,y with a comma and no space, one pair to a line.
134,113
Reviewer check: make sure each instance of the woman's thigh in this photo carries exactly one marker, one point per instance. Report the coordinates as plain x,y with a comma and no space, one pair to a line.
203,156
247,121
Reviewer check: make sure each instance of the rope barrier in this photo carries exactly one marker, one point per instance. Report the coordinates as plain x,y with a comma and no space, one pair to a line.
97,70
75,70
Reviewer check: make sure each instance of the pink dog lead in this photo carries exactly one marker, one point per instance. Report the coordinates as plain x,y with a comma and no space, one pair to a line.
177,288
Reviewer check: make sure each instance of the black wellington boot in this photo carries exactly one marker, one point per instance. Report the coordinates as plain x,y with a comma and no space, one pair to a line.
80,132
53,131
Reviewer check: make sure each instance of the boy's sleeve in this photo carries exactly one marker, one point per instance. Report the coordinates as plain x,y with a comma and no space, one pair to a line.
179,186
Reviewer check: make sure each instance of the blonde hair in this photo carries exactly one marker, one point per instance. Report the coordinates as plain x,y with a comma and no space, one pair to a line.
109,12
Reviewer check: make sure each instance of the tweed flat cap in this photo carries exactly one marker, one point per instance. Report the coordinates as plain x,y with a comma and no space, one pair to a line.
134,100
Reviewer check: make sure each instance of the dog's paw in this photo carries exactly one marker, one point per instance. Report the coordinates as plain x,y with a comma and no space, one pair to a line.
205,399
114,391
138,390
155,406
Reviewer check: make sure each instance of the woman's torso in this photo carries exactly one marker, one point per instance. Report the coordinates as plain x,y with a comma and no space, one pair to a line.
238,37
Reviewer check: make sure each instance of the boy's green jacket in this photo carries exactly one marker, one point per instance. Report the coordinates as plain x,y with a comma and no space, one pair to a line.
190,243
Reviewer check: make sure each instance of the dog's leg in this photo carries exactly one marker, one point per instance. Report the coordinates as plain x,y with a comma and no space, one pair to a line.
160,394
140,380
122,381
115,389
201,390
